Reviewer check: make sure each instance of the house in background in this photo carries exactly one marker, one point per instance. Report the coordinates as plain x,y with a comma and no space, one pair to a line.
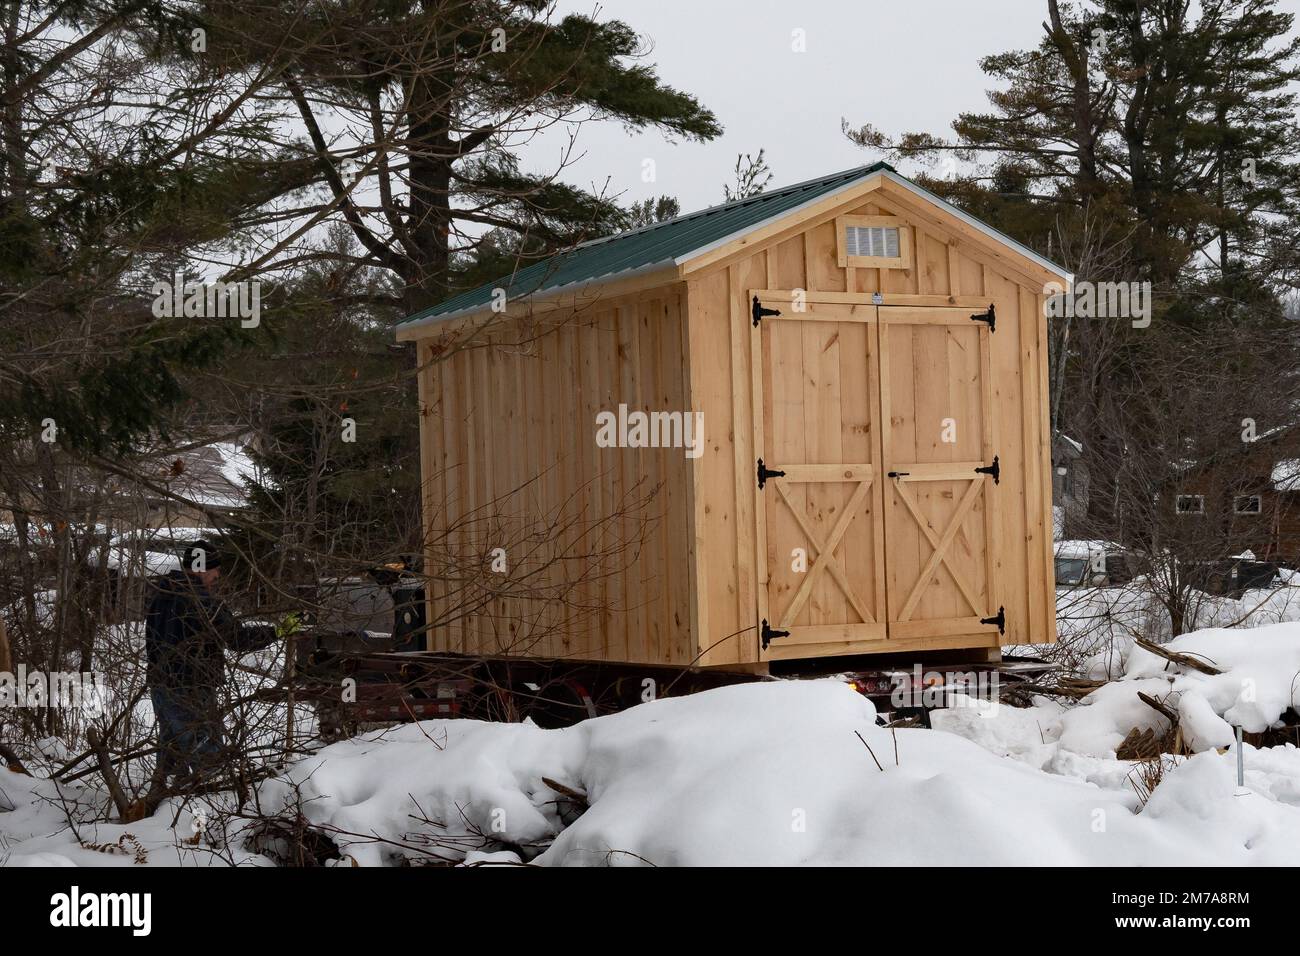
214,476
1253,495
193,486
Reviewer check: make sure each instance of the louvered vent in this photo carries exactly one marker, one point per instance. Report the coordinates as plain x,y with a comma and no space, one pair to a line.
876,241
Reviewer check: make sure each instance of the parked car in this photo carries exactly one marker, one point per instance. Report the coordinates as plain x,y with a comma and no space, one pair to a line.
1233,577
1093,564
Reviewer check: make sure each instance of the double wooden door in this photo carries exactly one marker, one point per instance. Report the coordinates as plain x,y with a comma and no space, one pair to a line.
874,429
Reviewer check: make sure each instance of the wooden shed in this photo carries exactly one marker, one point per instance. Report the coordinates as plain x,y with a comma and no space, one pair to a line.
874,475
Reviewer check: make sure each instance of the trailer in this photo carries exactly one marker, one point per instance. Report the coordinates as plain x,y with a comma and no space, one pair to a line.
380,688
809,424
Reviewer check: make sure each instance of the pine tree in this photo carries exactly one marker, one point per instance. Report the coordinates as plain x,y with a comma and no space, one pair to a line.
1178,121
112,173
435,99
1150,140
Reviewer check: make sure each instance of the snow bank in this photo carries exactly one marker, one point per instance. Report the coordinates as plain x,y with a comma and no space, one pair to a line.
1259,683
1260,679
771,774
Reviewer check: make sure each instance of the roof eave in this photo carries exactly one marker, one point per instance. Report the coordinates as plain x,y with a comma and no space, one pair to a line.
416,328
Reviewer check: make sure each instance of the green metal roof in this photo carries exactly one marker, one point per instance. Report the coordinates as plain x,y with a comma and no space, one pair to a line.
666,244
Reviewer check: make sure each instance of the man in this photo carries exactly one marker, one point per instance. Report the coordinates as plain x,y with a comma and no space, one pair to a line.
187,632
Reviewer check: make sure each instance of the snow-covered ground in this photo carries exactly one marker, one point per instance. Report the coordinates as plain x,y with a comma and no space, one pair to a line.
793,772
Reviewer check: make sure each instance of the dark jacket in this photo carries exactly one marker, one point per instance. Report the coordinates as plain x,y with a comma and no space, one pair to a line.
188,631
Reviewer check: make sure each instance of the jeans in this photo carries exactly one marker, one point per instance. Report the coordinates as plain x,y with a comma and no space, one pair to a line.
189,730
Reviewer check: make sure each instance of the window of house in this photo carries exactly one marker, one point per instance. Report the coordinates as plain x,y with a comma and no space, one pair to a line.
874,242
1246,505
1191,504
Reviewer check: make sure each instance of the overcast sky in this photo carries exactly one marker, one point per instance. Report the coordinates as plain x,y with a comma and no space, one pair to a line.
901,65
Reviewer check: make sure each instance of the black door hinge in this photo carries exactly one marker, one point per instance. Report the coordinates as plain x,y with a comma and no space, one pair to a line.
768,634
986,317
1000,620
761,313
994,469
765,473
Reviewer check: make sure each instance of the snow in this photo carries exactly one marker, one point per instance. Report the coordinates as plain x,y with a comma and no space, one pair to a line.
236,465
1261,672
1286,475
767,773
775,774
1097,625
1099,724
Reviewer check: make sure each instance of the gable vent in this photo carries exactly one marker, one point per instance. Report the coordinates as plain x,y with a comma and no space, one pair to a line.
875,241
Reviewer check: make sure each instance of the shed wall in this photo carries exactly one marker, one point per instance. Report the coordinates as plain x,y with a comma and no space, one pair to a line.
597,543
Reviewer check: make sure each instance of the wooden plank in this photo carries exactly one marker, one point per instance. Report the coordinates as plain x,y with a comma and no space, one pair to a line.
1048,635
854,636
904,631
988,449
686,573
740,277
636,483
610,466
878,428
1037,475
828,473
857,443
864,314
791,268
938,471
787,428
429,476
761,405
658,647
924,278
711,362
591,474
879,644
1008,396
682,648
893,299
557,641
